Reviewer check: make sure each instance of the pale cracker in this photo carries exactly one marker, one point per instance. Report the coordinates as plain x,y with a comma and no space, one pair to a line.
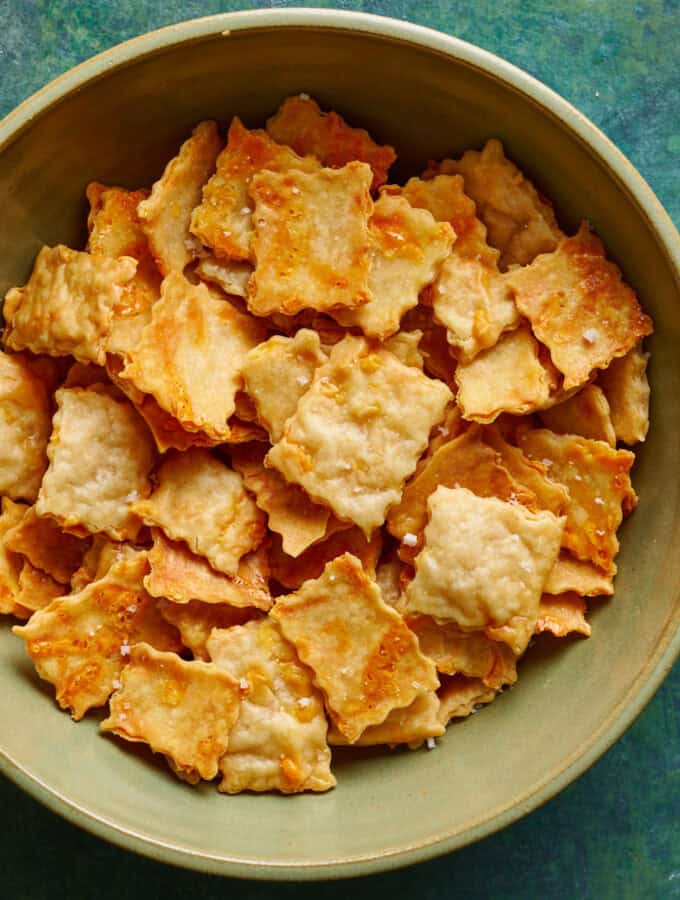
100,455
67,305
359,430
166,214
185,710
232,276
626,387
279,739
202,502
364,658
196,620
562,615
586,413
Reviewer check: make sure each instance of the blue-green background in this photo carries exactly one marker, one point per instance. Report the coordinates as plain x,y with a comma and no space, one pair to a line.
616,832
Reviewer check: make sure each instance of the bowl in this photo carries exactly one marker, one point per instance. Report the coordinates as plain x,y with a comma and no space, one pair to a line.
117,119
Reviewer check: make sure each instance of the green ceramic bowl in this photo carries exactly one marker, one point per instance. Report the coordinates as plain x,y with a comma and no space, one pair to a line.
117,119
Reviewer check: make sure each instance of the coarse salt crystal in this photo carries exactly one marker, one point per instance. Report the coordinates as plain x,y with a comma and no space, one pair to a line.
295,190
590,335
245,210
304,97
547,463
410,540
304,701
599,501
430,743
132,608
115,684
599,532
302,380
124,649
243,684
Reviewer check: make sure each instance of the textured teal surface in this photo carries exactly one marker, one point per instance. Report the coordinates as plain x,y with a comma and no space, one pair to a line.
616,832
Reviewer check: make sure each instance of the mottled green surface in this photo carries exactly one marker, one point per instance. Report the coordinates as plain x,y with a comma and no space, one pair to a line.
616,832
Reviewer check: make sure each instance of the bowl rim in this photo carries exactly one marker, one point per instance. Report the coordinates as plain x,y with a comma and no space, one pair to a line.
629,179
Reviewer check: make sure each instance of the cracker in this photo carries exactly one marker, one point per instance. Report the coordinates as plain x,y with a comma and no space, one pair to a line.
571,575
196,620
25,425
81,643
302,125
406,347
185,710
362,655
484,561
279,740
599,487
509,377
166,214
190,356
410,725
311,242
277,373
103,554
460,696
470,653
464,462
66,308
562,615
626,388
359,430
10,563
586,413
519,221
388,578
202,502
292,572
100,455
290,512
232,276
37,589
438,360
46,546
182,577
224,219
579,306
408,248
115,231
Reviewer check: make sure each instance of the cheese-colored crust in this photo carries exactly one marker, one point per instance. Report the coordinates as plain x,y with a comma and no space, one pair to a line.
626,388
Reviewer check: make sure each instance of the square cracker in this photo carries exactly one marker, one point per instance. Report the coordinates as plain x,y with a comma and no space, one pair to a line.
410,725
359,430
408,248
166,214
81,643
626,388
364,658
196,620
231,276
100,454
585,413
46,546
509,377
224,219
190,356
202,502
185,710
579,306
277,373
520,222
599,486
66,308
302,125
484,562
279,739
311,244
181,576
25,425
290,512
292,571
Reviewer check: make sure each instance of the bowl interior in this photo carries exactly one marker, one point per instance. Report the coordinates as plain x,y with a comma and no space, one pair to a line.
572,696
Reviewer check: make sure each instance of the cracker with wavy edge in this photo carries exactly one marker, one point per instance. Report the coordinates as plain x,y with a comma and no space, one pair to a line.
579,306
67,305
185,710
25,425
190,355
115,231
37,589
230,275
562,615
196,621
165,215
103,554
409,725
46,546
300,123
277,373
408,248
93,491
292,571
438,360
202,502
626,388
364,658
179,575
311,243
571,575
81,643
290,512
597,477
519,221
484,561
359,430
460,696
10,563
586,414
279,739
509,377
